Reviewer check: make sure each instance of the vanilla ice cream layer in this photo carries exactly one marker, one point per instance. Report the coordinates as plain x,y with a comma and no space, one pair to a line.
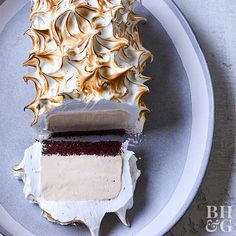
74,115
80,177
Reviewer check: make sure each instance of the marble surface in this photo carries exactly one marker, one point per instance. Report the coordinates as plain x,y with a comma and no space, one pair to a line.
213,22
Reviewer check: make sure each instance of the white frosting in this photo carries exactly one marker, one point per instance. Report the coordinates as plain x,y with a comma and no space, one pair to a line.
90,213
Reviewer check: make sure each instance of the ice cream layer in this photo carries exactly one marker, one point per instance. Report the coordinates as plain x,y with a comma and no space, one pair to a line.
74,116
88,121
87,50
80,177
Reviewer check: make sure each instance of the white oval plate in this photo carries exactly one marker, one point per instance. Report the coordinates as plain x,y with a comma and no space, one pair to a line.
177,139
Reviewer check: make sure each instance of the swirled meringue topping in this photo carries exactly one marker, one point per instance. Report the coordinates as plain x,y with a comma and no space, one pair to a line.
86,50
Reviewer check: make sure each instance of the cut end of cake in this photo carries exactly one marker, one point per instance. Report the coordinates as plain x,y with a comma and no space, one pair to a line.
80,171
100,117
88,121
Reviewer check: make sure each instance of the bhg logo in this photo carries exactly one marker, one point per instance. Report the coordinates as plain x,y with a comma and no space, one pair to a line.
219,218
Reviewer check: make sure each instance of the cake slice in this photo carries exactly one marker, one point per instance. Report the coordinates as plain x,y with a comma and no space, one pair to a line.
76,182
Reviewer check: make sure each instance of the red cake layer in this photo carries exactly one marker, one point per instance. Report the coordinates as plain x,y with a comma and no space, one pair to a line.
68,148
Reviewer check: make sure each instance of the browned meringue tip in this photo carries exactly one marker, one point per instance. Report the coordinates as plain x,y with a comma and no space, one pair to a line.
146,110
18,171
50,218
26,78
151,58
148,78
67,44
16,168
32,61
31,107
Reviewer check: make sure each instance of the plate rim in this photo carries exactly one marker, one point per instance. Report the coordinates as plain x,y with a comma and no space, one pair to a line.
211,121
199,51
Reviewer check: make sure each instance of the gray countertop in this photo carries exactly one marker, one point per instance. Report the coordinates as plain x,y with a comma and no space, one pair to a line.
214,23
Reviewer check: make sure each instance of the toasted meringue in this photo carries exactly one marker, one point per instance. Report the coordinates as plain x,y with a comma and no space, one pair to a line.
88,51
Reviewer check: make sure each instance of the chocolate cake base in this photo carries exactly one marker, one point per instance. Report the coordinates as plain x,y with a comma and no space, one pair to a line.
68,148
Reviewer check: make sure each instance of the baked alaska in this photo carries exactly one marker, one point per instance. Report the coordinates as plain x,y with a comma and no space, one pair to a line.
76,182
89,59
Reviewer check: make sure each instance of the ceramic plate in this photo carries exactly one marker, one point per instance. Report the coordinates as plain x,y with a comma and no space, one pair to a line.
177,139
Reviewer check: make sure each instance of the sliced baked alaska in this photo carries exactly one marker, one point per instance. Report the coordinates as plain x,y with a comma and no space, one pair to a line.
76,182
89,61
